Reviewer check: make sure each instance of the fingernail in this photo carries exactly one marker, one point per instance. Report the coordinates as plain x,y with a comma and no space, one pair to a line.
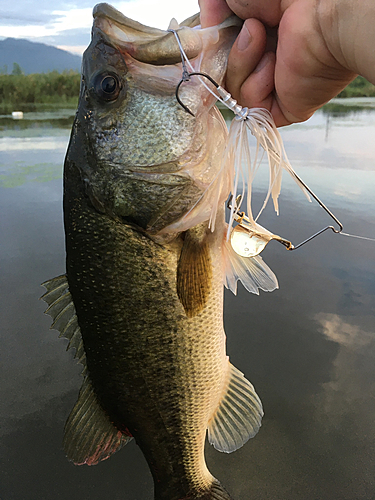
263,62
244,38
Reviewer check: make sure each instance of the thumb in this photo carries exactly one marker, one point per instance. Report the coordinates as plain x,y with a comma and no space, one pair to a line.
213,12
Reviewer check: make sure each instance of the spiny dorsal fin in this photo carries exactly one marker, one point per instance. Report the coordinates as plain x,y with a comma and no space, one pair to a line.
238,416
194,271
89,435
63,313
173,25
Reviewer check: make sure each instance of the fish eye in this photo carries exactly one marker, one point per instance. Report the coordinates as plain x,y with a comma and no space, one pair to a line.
107,86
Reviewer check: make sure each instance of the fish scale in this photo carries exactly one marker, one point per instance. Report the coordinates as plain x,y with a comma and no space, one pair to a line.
133,258
129,144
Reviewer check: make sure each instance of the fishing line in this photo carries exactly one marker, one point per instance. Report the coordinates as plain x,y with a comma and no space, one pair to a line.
186,75
356,236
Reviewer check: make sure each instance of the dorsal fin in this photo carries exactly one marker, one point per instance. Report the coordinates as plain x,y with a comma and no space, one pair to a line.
63,313
89,435
238,416
194,271
173,24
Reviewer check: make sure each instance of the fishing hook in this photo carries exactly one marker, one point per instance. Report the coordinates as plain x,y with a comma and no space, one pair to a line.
186,78
186,75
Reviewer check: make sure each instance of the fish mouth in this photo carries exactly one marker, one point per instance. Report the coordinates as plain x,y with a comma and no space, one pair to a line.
145,44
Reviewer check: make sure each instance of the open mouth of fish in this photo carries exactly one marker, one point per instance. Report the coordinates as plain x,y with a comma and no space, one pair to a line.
130,74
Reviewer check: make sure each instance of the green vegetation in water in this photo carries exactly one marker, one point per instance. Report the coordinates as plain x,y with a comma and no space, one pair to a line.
337,109
19,91
21,174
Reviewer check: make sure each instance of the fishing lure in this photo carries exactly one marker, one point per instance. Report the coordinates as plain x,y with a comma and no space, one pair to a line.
247,237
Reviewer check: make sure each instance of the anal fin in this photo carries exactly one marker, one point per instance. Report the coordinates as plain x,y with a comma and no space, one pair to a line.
238,416
89,435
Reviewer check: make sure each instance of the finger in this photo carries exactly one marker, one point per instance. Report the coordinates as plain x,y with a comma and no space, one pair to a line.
257,90
267,11
279,114
306,74
213,12
245,55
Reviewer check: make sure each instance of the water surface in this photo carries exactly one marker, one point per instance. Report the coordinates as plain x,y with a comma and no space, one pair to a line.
309,347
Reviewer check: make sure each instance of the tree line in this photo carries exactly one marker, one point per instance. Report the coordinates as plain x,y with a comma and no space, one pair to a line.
360,87
53,87
63,88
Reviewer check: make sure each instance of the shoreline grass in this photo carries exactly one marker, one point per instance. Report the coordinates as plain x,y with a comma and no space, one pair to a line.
38,89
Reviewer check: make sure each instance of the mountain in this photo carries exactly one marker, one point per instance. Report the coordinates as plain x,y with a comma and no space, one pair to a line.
35,57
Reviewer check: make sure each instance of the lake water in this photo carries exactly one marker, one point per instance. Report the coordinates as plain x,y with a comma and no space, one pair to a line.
309,347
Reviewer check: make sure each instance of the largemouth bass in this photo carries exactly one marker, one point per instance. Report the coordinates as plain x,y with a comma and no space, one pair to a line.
142,298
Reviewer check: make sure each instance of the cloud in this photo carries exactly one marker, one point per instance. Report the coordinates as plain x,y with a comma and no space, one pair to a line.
344,400
22,13
70,37
22,19
68,24
346,334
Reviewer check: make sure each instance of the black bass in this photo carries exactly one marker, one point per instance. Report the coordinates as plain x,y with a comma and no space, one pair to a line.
142,298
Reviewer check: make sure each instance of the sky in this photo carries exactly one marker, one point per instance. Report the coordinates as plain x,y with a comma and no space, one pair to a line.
66,24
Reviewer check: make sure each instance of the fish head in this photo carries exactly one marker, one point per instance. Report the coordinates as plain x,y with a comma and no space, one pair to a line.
143,158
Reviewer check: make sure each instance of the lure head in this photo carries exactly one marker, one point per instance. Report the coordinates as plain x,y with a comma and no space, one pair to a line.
143,152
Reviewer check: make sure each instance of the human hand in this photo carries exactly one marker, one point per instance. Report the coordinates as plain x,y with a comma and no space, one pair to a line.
321,47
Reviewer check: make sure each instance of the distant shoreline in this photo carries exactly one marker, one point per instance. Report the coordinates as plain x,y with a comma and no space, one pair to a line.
54,89
38,89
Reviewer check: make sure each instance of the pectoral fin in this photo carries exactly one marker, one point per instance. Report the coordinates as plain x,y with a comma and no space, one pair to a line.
194,271
89,435
238,416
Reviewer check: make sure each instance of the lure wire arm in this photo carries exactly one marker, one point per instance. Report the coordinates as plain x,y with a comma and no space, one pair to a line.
337,231
240,216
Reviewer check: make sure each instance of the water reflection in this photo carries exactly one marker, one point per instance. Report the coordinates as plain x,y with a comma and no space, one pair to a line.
35,121
309,348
